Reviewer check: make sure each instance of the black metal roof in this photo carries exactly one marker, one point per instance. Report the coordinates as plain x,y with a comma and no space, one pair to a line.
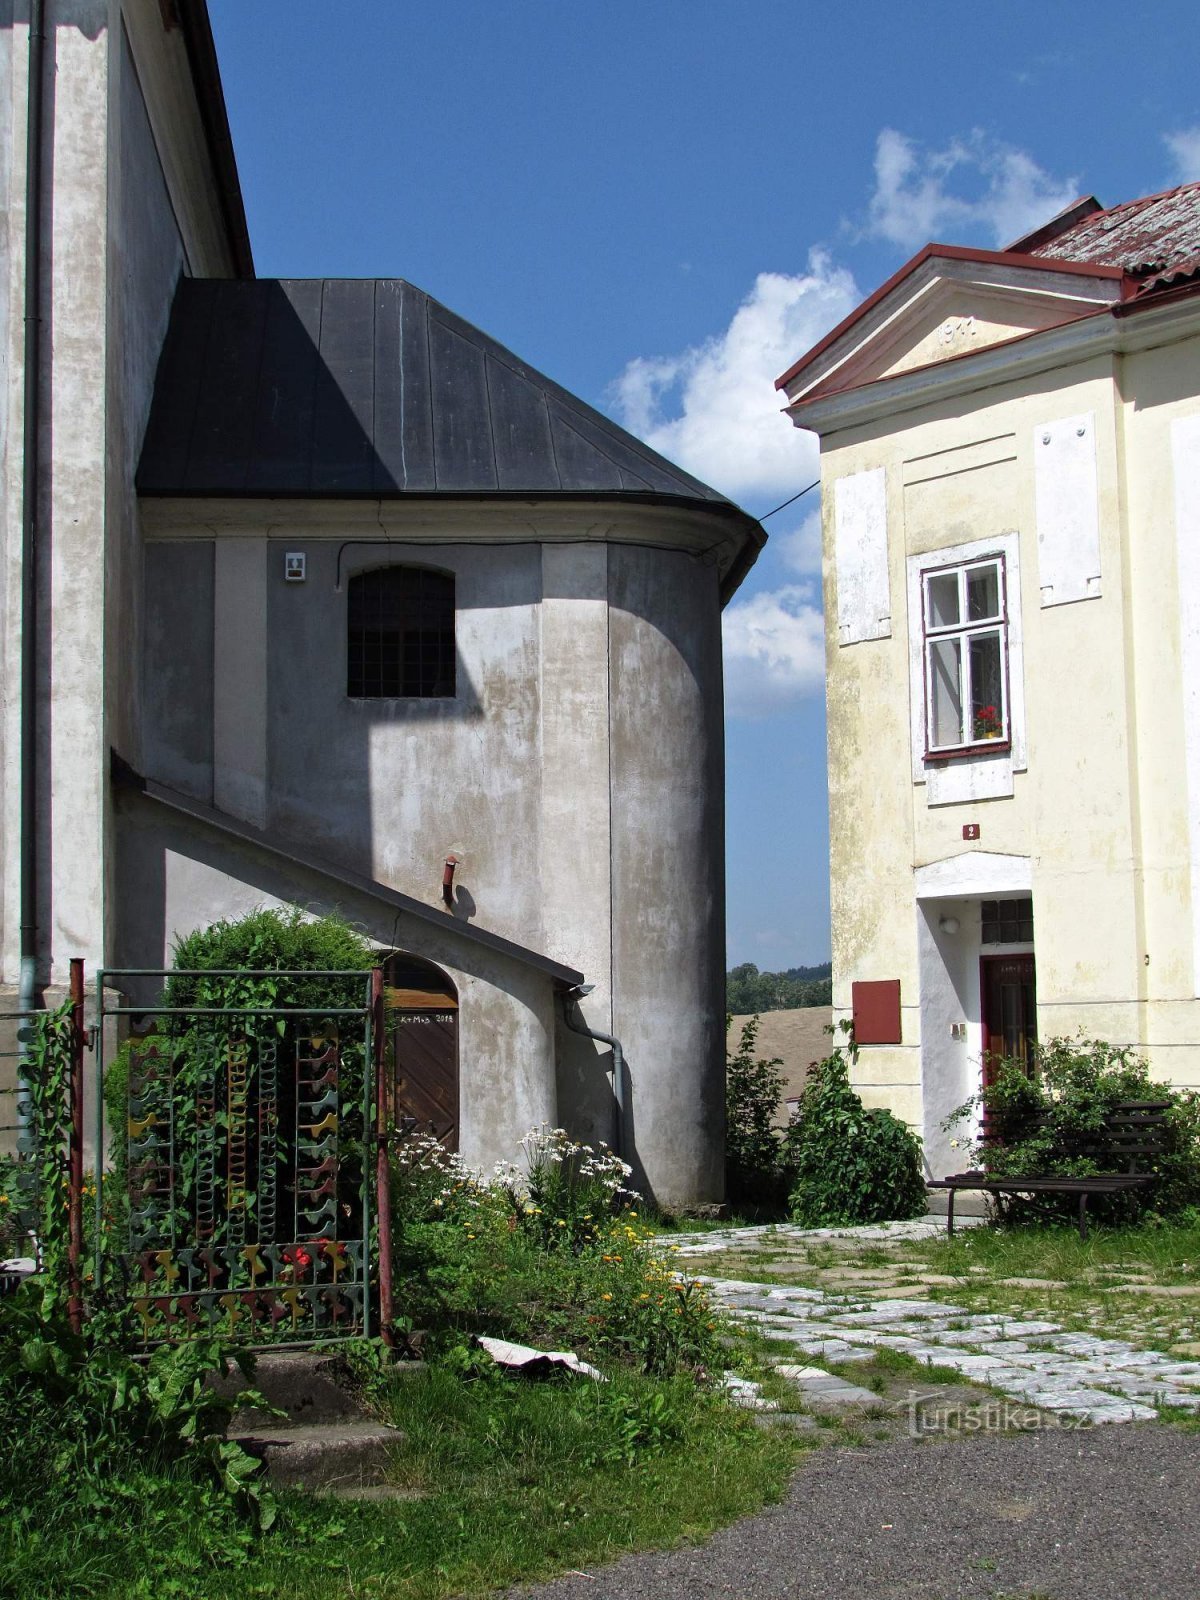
340,387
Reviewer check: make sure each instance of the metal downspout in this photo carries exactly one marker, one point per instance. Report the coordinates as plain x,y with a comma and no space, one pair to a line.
29,507
618,1066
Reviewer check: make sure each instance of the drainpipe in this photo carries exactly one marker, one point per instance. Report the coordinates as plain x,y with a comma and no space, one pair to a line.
448,882
29,507
568,1000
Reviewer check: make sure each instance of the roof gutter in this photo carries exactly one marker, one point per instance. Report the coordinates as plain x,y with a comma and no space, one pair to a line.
567,1001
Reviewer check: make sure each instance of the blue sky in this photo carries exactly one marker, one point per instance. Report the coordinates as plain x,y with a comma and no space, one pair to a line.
662,206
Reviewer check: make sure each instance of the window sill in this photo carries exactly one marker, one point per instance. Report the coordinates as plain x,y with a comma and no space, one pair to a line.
968,752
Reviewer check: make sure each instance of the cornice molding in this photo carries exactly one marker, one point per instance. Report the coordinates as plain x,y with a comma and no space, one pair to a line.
704,534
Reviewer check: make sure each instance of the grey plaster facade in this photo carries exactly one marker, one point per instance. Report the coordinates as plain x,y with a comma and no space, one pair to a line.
578,767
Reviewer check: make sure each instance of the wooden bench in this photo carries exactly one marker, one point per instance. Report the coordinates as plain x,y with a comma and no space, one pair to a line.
1133,1134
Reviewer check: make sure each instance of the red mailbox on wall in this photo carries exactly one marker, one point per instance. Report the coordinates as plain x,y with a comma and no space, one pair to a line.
876,1009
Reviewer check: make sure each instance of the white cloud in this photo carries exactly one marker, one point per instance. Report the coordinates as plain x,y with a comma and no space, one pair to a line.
1184,145
974,186
800,548
714,408
774,650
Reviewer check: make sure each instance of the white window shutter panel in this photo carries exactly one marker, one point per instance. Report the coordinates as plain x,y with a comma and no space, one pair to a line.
861,554
1068,509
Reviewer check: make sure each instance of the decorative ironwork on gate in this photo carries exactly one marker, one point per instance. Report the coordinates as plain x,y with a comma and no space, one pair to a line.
240,1196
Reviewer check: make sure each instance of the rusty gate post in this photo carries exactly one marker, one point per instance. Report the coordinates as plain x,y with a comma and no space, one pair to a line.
383,1173
75,1153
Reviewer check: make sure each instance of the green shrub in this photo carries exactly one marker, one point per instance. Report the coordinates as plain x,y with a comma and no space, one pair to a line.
852,1165
483,1257
271,940
1044,1120
36,1184
14,1234
757,1169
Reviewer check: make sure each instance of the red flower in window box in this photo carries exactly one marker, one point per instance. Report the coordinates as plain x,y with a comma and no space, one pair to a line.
988,723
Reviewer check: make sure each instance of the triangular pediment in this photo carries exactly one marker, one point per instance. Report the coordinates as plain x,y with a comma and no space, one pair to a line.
953,319
945,304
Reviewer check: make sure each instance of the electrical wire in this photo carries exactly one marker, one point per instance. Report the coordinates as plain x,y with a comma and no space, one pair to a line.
792,501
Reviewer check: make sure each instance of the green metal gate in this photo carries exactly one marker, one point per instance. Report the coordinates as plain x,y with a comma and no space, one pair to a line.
239,1196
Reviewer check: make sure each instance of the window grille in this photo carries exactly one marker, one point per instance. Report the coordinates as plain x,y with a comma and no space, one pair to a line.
400,635
1007,921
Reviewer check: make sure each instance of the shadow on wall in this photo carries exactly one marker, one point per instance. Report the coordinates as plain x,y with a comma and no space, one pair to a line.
464,904
587,1106
90,19
357,777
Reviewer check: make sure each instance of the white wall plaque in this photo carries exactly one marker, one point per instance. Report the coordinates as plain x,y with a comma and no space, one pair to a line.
861,555
1068,509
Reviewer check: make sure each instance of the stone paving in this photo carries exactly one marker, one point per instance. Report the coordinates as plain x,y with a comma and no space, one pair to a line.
1073,1375
719,1240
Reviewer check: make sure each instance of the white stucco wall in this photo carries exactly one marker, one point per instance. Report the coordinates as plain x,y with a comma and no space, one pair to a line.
177,876
117,233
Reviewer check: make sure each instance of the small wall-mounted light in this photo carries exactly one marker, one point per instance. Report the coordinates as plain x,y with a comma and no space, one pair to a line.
948,924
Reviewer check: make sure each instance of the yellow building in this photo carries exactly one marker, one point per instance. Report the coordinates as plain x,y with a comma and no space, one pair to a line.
1010,470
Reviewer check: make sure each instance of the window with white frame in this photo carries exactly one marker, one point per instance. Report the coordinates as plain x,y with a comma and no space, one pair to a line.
965,648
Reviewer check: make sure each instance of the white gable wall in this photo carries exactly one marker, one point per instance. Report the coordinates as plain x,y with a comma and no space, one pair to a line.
1098,804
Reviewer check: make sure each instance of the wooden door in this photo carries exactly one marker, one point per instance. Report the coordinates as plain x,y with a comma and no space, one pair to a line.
1008,992
425,1066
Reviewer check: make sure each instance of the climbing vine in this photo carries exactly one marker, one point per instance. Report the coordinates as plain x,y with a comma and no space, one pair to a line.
42,1169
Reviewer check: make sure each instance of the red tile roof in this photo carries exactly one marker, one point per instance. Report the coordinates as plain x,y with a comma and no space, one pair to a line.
1156,239
1152,244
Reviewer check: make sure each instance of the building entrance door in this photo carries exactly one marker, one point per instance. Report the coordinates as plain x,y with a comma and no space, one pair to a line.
1008,992
422,1010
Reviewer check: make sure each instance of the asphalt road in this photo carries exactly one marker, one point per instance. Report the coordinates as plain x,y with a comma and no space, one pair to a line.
1109,1513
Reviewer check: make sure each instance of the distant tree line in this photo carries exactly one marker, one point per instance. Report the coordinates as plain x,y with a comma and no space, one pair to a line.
747,990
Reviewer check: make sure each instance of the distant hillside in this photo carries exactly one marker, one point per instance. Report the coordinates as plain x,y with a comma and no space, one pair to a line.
748,990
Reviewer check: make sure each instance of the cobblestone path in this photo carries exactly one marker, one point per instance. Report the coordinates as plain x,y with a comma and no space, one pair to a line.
1076,1375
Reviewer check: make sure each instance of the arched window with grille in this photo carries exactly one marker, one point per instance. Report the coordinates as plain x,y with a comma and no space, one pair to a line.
400,634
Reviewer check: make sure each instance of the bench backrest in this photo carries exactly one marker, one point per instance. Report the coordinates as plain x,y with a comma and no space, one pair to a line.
1133,1134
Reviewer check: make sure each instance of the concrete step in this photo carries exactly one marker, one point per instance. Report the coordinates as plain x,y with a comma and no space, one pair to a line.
325,1456
308,1388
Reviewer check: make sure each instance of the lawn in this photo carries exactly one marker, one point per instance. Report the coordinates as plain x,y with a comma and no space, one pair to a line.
502,1480
117,1487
